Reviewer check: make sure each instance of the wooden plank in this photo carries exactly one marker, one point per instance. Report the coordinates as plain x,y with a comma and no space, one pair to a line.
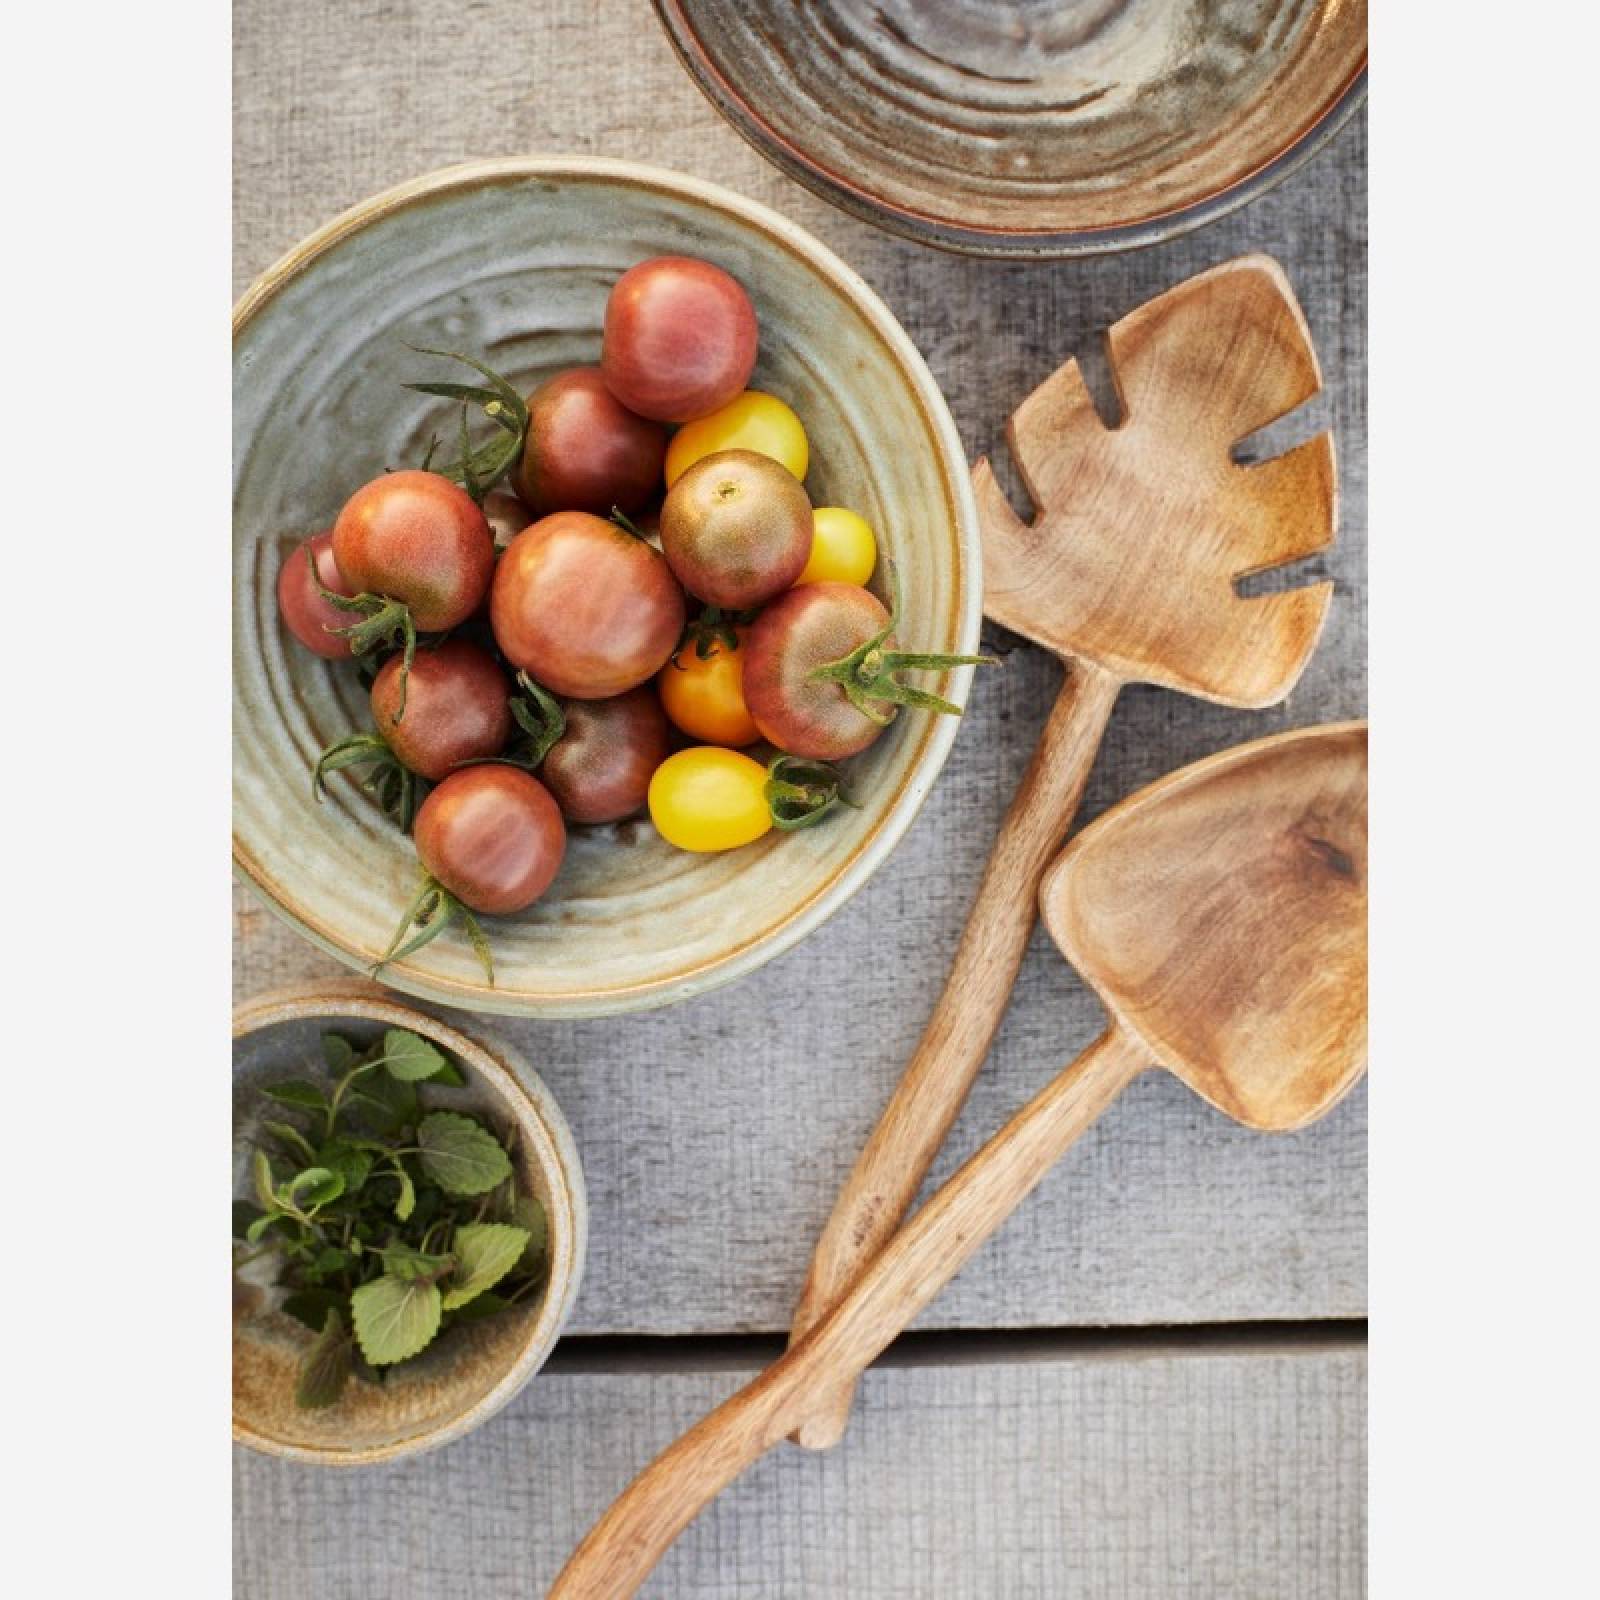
715,1135
1113,1477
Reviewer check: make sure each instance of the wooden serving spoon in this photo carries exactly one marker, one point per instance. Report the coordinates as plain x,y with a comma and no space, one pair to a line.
1221,915
1127,573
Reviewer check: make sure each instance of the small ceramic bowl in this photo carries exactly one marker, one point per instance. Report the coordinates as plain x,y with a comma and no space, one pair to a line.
1030,127
512,261
456,1384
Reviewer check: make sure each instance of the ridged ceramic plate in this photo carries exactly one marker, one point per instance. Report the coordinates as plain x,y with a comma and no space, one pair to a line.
512,260
1030,127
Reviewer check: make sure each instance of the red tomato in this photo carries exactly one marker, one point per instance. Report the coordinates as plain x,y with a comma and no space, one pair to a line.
736,529
492,836
585,451
305,613
584,607
804,648
680,339
807,628
417,538
457,708
599,770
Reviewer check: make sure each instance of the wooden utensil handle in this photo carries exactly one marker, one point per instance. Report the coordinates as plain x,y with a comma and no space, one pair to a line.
625,1544
930,1094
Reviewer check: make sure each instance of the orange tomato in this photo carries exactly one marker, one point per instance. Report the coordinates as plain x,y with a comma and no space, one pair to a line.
704,695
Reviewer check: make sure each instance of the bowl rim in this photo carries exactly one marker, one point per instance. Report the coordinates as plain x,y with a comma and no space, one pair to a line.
541,1124
937,736
976,239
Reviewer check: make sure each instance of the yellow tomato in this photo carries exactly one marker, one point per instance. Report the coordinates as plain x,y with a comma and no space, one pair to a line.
750,421
708,799
843,549
705,695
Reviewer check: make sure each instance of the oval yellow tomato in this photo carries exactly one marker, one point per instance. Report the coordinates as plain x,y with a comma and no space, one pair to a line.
750,421
707,798
704,695
843,549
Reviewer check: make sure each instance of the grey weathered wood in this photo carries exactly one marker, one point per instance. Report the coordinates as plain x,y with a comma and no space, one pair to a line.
715,1135
1161,1478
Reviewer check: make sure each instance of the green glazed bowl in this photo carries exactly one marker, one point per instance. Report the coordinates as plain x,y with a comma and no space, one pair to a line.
512,261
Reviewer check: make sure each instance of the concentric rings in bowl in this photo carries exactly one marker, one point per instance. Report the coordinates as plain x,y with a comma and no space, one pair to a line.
512,260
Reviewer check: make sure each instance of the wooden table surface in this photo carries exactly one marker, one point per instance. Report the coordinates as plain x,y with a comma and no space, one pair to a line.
1151,1383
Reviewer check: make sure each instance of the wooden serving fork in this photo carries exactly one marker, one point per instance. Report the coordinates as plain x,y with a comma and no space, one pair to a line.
1127,573
1221,915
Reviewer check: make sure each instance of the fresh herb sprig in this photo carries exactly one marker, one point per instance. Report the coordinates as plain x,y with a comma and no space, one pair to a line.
390,1222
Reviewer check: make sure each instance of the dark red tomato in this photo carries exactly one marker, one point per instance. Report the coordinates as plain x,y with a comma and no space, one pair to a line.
736,529
810,627
417,538
506,514
585,451
599,770
680,339
305,613
457,708
492,836
586,608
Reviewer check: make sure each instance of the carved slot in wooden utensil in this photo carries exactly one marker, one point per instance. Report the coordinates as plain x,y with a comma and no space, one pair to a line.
1127,572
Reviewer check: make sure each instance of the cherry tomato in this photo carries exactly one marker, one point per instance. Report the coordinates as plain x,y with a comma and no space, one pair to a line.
457,708
750,421
808,628
707,799
679,340
584,450
704,695
492,836
507,516
586,608
419,539
305,613
814,654
599,769
843,549
736,528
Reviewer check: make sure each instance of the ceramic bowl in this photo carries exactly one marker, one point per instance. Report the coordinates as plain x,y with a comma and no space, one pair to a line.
1030,127
512,260
452,1387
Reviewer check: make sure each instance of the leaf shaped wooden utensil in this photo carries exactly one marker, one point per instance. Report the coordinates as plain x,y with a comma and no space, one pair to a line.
1127,572
1221,914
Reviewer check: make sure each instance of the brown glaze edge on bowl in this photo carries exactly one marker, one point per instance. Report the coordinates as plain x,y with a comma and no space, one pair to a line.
970,239
539,1122
936,737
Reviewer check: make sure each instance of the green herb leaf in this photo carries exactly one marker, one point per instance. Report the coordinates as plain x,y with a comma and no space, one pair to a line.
314,1187
311,1306
297,1092
395,1318
253,1234
529,1214
404,1262
261,1173
476,1309
461,1155
292,1137
386,1103
348,1159
339,1053
485,1252
409,1057
326,1368
406,1202
449,1076
244,1213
